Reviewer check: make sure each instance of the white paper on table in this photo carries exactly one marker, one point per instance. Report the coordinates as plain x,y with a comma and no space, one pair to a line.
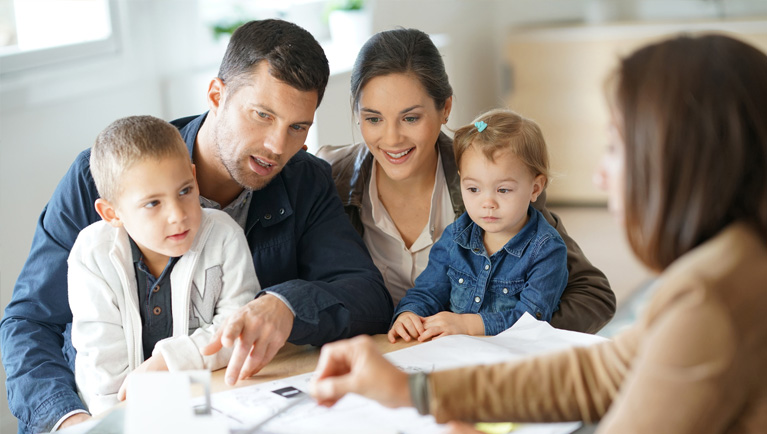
249,405
526,337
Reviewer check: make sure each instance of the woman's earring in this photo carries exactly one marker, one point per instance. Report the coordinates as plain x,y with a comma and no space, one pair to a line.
446,118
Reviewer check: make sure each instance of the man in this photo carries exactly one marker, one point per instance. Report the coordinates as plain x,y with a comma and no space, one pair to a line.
320,283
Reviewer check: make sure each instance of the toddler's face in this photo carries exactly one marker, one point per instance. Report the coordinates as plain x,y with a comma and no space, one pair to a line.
497,193
159,206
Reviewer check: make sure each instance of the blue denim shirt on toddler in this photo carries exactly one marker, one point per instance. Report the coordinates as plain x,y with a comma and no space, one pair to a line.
528,274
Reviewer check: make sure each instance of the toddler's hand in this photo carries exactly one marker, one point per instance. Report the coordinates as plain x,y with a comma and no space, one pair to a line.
154,363
449,323
408,325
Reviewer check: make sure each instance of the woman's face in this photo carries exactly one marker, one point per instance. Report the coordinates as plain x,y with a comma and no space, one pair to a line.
610,176
400,124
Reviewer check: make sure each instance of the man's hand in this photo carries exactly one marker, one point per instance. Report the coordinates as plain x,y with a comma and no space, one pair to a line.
449,323
256,331
408,325
154,363
355,366
74,420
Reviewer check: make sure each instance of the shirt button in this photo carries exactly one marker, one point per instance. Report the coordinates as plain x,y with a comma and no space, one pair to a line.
477,299
505,290
268,217
475,250
157,310
460,280
282,211
538,315
156,288
487,267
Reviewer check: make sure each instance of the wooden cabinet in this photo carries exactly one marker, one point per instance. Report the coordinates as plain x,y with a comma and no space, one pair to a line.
556,77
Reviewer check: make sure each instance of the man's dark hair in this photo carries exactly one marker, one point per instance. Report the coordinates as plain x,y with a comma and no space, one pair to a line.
294,56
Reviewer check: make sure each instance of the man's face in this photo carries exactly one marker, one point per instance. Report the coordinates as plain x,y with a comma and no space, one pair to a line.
260,126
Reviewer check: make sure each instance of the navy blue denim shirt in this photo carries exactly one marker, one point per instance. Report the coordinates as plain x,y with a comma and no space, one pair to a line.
528,274
303,248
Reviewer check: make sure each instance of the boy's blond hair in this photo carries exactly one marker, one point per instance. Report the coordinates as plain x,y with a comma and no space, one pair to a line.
505,131
127,141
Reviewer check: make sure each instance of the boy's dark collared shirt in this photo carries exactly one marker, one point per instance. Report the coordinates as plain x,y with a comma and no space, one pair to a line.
154,297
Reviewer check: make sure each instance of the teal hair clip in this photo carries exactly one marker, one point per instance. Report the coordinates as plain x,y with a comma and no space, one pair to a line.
481,125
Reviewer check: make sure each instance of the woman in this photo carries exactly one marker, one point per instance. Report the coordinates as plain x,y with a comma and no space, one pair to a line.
401,187
685,172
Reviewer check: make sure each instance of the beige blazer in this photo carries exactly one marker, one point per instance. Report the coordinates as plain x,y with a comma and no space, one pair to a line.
693,363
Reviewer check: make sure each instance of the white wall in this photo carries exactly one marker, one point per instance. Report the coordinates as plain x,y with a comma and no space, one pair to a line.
167,57
469,26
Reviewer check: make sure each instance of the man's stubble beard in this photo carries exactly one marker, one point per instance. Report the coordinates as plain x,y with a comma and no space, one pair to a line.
238,170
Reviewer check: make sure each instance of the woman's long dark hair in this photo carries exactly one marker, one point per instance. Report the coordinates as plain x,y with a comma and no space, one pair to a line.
403,51
694,115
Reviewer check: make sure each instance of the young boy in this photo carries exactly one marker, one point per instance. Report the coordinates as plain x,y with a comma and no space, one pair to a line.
149,284
501,258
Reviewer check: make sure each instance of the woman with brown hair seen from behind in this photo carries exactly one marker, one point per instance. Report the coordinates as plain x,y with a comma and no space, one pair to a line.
400,187
686,170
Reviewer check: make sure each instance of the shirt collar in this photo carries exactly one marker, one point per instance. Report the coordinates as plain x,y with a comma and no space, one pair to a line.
135,251
470,236
138,261
189,127
237,209
383,220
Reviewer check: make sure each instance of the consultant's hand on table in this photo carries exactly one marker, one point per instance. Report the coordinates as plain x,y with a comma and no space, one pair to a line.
356,366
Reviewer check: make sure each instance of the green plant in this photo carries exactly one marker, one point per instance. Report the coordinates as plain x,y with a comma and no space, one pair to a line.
342,5
226,28
345,5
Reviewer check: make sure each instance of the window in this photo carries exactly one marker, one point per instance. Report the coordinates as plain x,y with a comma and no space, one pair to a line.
41,32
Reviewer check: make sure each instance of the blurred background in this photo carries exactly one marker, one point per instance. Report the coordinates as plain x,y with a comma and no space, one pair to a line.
70,67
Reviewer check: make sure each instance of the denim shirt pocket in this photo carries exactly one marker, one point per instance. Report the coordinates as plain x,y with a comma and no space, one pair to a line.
462,285
503,295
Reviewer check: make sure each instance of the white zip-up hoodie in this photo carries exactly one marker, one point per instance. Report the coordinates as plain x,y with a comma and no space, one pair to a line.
212,280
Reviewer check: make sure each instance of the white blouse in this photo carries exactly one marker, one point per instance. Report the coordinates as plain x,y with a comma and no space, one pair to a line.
398,264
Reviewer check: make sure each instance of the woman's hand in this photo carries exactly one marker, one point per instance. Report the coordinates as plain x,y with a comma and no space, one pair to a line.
408,325
355,366
154,363
449,323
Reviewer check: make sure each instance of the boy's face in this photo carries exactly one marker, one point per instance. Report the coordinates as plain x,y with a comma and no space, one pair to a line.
159,207
497,194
